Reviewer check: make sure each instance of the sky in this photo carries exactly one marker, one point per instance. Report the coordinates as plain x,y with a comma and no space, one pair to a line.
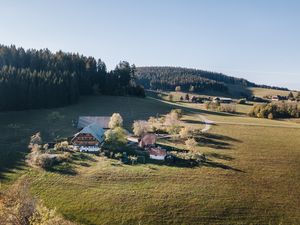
255,39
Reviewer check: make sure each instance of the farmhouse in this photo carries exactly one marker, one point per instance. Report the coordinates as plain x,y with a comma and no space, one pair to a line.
278,98
102,121
90,138
223,100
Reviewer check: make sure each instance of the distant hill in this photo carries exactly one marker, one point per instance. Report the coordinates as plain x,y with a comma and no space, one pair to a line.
167,78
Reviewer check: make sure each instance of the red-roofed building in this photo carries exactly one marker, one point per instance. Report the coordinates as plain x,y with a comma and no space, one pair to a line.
157,153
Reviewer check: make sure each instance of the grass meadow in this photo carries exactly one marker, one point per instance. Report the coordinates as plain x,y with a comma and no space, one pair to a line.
251,175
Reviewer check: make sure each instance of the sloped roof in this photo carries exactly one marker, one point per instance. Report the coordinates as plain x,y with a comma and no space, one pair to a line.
94,129
157,151
102,121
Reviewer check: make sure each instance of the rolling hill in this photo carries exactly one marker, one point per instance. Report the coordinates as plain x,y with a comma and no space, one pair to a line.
167,78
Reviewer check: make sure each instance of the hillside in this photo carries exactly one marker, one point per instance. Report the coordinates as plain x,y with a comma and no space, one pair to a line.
167,78
221,191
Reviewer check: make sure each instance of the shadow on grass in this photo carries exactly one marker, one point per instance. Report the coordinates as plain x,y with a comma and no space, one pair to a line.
69,167
185,163
64,169
219,156
209,163
10,163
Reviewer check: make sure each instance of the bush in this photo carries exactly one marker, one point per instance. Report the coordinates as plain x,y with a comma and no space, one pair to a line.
186,132
230,108
18,207
216,106
62,146
140,127
191,144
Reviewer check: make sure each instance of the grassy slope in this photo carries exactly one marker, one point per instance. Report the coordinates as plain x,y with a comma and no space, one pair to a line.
252,175
261,92
17,127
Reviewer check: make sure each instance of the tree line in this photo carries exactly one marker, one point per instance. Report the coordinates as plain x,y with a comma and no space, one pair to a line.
167,78
276,110
40,79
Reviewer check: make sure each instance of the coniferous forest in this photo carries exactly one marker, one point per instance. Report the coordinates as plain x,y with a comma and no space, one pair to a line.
167,78
31,79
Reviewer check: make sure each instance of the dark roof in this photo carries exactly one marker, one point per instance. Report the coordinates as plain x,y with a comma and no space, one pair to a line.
102,121
95,130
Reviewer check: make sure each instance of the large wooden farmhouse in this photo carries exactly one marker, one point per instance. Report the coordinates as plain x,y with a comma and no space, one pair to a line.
89,139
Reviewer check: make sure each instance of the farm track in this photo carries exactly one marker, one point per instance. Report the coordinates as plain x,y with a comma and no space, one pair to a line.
208,123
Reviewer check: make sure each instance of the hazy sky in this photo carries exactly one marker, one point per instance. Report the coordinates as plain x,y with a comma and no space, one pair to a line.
258,40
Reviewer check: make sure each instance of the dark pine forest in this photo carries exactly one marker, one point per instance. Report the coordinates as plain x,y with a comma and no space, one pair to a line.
31,79
167,78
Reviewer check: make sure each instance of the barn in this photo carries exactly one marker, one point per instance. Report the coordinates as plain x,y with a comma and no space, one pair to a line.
89,139
102,121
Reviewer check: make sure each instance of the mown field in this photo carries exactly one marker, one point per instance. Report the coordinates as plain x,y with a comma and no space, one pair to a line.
251,175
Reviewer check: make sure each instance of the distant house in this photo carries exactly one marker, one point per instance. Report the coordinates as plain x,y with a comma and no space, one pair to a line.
157,153
147,140
102,121
222,100
278,98
89,139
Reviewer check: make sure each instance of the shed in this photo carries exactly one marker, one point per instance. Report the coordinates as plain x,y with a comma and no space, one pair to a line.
157,153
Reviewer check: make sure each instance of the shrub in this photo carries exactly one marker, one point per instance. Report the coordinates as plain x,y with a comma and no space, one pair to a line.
191,144
62,146
230,108
18,207
186,132
140,127
212,105
170,97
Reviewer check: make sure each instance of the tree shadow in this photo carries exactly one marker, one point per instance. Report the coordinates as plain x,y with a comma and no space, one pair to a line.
220,137
219,156
212,164
212,143
64,169
11,163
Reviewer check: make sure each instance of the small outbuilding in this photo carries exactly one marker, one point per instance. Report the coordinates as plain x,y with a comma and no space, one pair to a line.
147,140
157,153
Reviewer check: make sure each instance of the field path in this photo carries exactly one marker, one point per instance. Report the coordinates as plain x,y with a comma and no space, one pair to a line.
208,123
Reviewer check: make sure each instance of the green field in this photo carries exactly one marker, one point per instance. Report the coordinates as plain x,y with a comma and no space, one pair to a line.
17,127
251,176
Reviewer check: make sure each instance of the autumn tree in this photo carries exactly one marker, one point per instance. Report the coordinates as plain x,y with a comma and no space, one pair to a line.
116,120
